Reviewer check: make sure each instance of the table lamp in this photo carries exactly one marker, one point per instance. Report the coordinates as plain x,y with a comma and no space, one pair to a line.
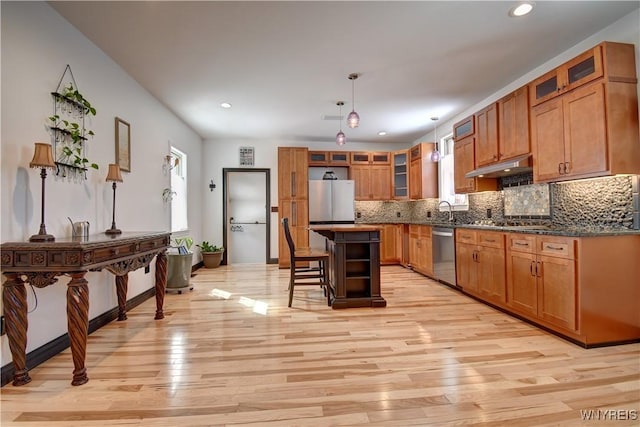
42,158
114,175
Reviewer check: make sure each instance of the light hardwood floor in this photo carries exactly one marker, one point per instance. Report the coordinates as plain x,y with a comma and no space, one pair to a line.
432,357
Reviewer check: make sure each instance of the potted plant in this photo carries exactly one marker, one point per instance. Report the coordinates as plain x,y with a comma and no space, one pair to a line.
211,254
179,263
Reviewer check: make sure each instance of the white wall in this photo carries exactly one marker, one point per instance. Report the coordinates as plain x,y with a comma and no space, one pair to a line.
625,30
225,154
36,46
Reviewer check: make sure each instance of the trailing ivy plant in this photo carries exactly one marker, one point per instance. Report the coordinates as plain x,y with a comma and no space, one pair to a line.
72,134
72,93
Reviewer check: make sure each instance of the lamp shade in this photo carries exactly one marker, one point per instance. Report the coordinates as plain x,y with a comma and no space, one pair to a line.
353,120
114,173
341,139
42,156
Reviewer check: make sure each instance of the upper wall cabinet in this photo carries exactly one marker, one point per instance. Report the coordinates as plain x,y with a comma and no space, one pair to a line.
513,124
371,172
464,159
329,158
423,172
487,135
580,70
588,130
400,174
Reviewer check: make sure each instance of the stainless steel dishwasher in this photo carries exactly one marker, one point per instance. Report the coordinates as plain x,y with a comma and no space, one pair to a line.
444,255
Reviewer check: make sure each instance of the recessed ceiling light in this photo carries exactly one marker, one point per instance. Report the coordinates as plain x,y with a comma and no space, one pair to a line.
521,9
225,105
382,133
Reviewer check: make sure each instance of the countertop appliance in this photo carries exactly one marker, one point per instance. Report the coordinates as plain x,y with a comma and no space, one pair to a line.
330,202
444,255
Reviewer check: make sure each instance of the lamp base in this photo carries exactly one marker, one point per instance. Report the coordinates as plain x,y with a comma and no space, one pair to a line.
42,238
113,231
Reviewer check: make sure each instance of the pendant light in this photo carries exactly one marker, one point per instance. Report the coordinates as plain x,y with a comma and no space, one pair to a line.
435,154
353,119
340,138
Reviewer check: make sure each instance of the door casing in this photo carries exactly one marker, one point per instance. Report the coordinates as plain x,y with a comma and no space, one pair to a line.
225,220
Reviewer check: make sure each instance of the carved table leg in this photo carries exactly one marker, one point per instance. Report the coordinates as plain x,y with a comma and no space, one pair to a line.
161,283
122,283
14,299
78,324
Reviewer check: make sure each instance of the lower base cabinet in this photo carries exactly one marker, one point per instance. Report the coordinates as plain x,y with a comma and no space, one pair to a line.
583,288
420,249
390,244
541,278
480,264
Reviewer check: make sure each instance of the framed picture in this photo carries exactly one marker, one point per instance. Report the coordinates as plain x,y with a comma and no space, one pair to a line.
123,145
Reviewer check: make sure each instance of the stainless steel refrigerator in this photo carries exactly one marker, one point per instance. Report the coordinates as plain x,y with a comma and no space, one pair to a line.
330,202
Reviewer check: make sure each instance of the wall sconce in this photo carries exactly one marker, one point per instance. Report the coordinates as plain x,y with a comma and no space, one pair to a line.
211,186
169,163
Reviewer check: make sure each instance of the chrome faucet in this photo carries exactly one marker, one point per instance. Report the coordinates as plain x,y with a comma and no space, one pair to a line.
450,209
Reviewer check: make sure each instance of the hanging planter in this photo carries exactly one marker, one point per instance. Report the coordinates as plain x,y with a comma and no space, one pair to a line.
68,131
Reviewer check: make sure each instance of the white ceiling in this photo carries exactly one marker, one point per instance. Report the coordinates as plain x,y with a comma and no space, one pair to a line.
283,65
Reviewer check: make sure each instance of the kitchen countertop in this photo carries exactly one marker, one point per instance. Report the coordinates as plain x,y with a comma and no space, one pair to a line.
553,230
344,227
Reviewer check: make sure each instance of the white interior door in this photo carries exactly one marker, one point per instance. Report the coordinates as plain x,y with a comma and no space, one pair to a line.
246,221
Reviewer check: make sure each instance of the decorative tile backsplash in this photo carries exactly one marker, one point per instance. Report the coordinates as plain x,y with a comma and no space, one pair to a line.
602,202
527,200
598,202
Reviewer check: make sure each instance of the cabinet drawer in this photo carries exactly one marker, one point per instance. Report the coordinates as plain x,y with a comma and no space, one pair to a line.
414,230
556,246
522,243
491,239
425,231
466,236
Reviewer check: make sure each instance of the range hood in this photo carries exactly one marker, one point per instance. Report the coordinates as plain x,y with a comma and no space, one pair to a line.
515,166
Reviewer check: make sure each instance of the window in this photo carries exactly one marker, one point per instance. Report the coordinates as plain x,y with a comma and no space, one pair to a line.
179,186
446,177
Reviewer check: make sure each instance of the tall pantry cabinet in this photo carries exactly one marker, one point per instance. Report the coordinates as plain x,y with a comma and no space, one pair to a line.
293,199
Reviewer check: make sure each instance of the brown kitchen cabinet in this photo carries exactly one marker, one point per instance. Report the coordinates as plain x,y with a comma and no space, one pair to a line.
390,243
420,249
487,135
583,288
464,160
541,278
371,172
580,70
513,124
423,172
480,264
589,130
400,178
293,173
293,199
329,158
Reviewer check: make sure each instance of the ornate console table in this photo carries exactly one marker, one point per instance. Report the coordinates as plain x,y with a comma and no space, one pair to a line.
40,263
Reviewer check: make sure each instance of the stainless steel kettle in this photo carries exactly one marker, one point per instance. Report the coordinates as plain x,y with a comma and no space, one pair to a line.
79,229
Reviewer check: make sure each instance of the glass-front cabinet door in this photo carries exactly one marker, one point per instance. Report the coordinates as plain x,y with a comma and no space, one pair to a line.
400,175
580,70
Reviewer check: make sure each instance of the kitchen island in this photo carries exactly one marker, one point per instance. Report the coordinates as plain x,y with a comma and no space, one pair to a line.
354,264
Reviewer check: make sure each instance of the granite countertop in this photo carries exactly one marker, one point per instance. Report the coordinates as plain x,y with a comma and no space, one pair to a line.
551,230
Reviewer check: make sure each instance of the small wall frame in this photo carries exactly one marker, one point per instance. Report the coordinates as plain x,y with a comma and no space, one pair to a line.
123,144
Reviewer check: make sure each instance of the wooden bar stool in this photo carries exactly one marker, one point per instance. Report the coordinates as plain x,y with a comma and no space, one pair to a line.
306,276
